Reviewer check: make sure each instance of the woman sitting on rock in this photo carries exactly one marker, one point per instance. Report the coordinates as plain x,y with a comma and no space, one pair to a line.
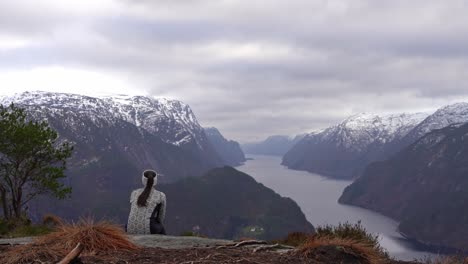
148,207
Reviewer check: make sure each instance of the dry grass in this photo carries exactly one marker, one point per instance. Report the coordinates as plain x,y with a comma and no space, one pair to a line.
356,248
101,237
52,221
353,232
294,239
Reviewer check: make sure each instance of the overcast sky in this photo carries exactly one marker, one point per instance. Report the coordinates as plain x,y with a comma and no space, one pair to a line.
252,68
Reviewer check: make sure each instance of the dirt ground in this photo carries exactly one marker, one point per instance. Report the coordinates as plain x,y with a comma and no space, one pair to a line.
328,255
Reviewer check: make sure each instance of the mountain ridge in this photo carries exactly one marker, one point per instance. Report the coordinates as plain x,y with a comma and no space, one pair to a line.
343,150
144,112
276,145
229,150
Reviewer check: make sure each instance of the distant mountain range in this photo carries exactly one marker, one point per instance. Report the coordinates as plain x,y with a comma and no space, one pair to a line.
229,150
425,186
226,203
344,150
273,145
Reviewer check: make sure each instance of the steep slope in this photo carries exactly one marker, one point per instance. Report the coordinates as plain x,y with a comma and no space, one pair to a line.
273,145
229,150
226,203
425,186
343,150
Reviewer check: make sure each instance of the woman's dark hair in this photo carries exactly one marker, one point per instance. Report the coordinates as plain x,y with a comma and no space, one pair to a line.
142,199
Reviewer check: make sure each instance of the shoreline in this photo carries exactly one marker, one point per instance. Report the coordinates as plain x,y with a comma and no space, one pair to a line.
433,248
415,243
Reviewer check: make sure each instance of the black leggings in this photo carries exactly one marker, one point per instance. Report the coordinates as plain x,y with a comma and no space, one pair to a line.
156,227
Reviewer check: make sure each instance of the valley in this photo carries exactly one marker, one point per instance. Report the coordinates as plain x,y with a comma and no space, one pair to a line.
318,198
114,137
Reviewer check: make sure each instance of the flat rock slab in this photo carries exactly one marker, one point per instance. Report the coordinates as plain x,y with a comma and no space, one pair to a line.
16,241
176,242
168,242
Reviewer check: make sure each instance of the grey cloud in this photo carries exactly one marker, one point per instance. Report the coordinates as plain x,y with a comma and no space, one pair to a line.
260,67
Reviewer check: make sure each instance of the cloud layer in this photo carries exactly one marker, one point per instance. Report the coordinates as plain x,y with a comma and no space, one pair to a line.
251,68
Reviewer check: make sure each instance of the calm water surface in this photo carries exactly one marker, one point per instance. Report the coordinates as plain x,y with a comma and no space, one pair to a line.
317,196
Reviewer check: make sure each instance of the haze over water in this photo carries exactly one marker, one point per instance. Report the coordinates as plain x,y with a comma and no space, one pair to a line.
318,198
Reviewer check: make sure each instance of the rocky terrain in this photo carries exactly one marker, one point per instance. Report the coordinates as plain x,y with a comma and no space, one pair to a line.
229,150
273,145
425,187
226,203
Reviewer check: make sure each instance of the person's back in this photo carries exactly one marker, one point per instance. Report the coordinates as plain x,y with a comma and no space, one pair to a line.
148,207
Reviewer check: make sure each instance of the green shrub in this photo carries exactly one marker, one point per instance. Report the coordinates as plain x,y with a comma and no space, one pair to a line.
20,228
188,233
5,227
352,232
30,230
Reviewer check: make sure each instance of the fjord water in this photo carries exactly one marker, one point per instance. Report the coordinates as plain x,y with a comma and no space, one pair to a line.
318,198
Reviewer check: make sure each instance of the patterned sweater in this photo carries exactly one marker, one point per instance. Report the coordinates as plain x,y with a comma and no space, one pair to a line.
139,218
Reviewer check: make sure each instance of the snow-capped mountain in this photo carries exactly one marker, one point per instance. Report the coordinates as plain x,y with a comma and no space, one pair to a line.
359,131
449,115
343,150
82,119
173,121
161,117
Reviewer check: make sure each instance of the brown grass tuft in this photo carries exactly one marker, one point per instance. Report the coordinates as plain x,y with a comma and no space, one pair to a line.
52,221
294,239
354,232
101,237
359,249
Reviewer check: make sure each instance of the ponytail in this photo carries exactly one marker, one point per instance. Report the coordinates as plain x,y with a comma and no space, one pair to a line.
142,199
